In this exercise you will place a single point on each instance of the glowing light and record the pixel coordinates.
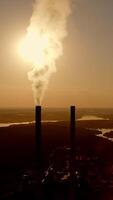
(35, 48)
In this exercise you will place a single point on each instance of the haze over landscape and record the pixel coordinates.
(58, 51)
(85, 71)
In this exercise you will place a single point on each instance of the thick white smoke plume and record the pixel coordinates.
(43, 42)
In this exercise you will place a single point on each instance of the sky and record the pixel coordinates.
(84, 74)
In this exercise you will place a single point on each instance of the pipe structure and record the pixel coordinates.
(72, 152)
(38, 135)
(72, 129)
(72, 148)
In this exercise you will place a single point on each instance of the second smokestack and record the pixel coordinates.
(72, 129)
(38, 135)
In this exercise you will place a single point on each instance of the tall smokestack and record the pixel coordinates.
(38, 135)
(72, 143)
(72, 129)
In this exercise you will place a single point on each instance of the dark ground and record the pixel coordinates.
(17, 154)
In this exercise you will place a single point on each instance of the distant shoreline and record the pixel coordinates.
(103, 128)
(82, 118)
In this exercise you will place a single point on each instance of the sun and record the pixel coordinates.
(34, 48)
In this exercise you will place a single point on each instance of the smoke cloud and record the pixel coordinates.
(43, 41)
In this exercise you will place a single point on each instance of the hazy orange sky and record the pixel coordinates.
(84, 73)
